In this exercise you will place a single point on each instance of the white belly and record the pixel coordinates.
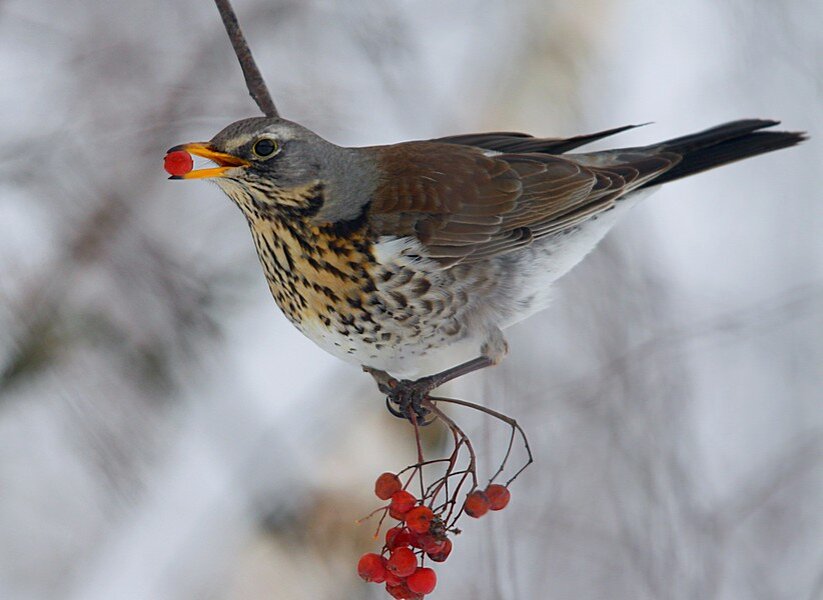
(548, 259)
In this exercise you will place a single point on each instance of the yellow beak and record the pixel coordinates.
(204, 150)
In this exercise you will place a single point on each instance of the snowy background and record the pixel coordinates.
(166, 434)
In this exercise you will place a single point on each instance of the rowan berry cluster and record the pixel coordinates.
(448, 488)
(421, 534)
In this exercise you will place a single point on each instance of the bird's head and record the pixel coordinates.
(266, 163)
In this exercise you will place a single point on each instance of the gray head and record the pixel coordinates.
(266, 163)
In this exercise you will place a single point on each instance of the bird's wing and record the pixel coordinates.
(464, 206)
(511, 142)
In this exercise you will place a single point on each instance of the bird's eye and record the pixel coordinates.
(264, 148)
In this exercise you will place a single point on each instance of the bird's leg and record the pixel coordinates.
(405, 396)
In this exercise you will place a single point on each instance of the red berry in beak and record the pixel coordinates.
(178, 163)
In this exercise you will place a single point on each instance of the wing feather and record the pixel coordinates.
(463, 205)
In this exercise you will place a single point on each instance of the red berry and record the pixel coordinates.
(401, 503)
(178, 163)
(422, 540)
(397, 537)
(441, 553)
(402, 592)
(432, 544)
(396, 515)
(477, 504)
(372, 567)
(392, 579)
(422, 581)
(386, 485)
(498, 495)
(402, 562)
(419, 519)
(425, 542)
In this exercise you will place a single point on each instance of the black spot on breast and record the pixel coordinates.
(289, 259)
(326, 291)
(404, 276)
(400, 299)
(421, 286)
(330, 268)
(340, 250)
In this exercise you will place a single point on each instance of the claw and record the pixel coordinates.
(404, 399)
(394, 411)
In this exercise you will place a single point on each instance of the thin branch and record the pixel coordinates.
(254, 80)
(515, 427)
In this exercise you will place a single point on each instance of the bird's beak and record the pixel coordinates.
(205, 150)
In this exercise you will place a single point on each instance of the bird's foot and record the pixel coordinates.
(405, 400)
(405, 397)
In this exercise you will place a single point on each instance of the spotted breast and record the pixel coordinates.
(374, 303)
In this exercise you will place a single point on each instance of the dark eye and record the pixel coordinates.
(264, 148)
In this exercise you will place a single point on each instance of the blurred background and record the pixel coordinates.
(166, 434)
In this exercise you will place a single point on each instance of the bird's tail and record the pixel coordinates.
(721, 145)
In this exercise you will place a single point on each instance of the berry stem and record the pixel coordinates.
(420, 459)
(515, 427)
(461, 439)
(362, 520)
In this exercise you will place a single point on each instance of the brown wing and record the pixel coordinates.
(465, 206)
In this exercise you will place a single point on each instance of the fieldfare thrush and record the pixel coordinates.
(404, 257)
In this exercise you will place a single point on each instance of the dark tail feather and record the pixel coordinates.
(722, 145)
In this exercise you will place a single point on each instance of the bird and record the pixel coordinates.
(406, 257)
